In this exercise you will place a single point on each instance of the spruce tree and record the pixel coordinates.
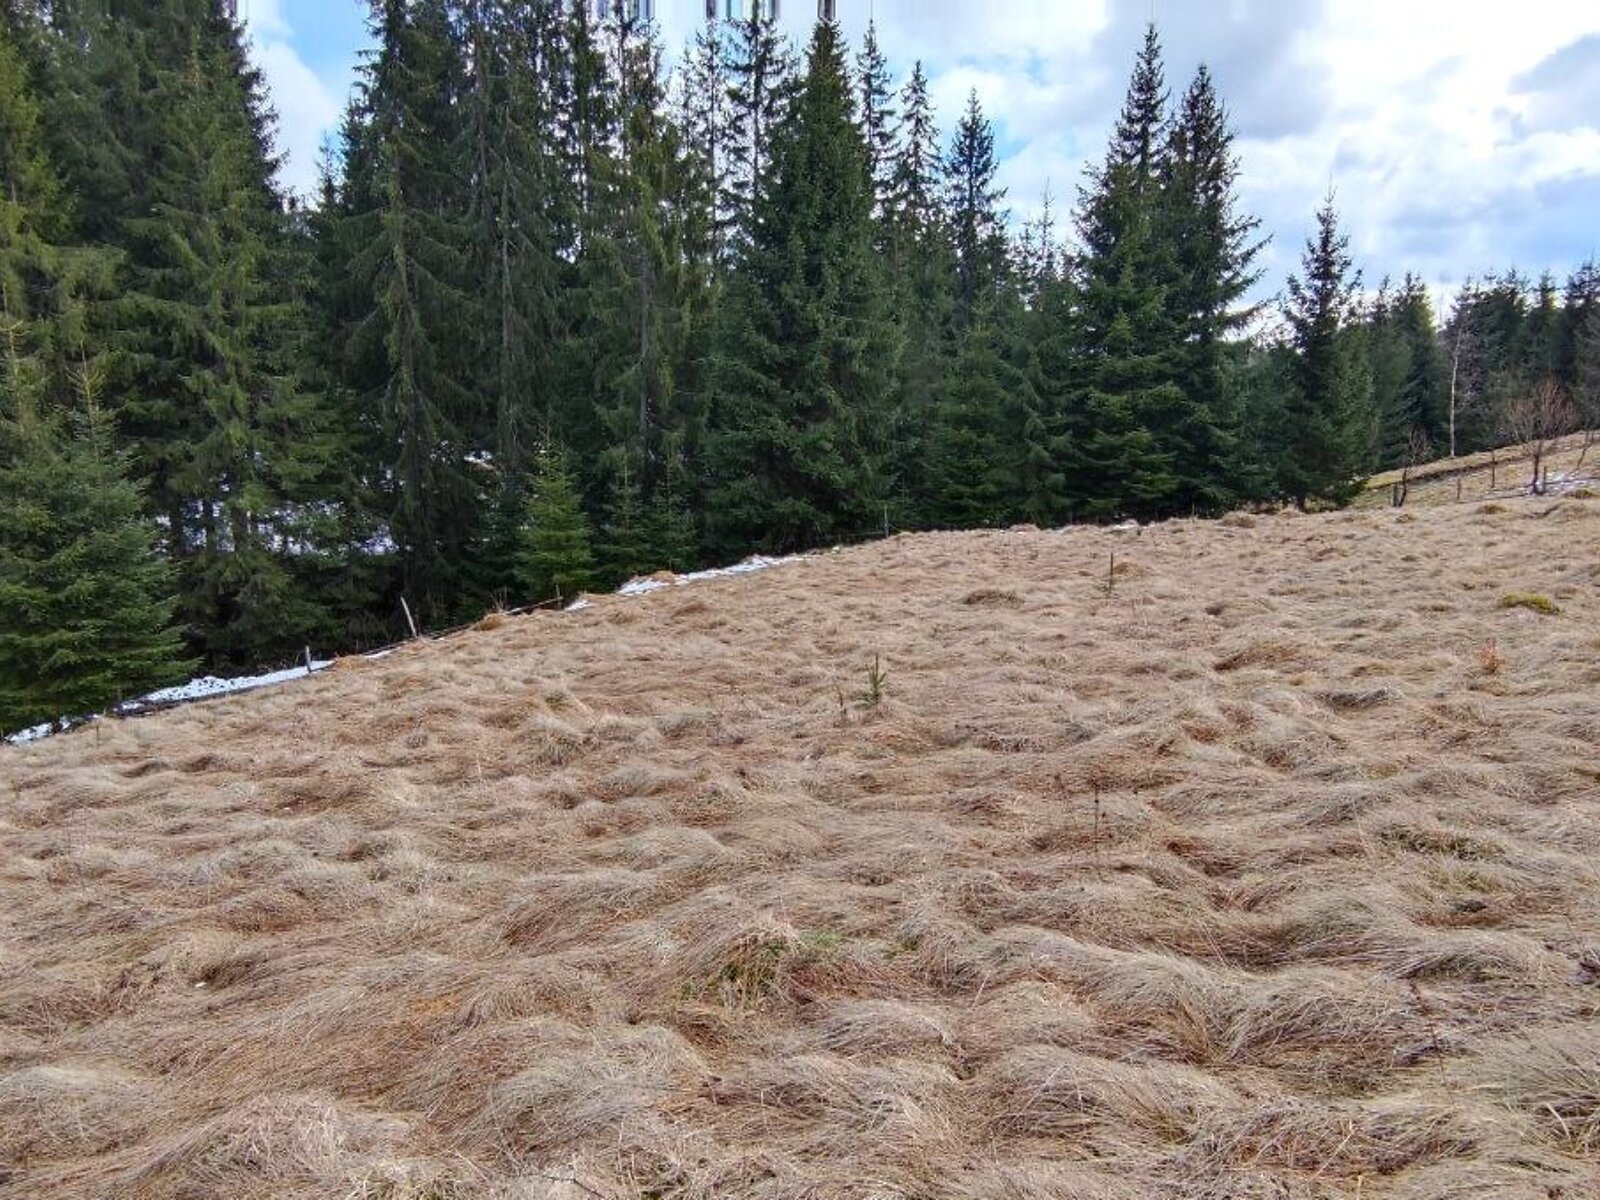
(760, 69)
(1213, 247)
(1542, 336)
(877, 117)
(806, 348)
(1580, 299)
(623, 548)
(921, 275)
(235, 441)
(1132, 405)
(703, 118)
(974, 466)
(85, 605)
(410, 321)
(1040, 256)
(44, 280)
(1411, 405)
(671, 532)
(202, 322)
(913, 199)
(1586, 370)
(554, 558)
(973, 215)
(516, 216)
(1324, 422)
(1056, 375)
(630, 302)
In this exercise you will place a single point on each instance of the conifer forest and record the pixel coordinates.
(571, 306)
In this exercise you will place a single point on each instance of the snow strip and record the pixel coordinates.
(211, 685)
(196, 689)
(756, 562)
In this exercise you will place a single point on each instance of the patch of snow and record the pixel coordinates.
(1560, 484)
(639, 586)
(211, 685)
(756, 562)
(196, 689)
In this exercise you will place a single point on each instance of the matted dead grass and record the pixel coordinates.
(1274, 872)
(1573, 464)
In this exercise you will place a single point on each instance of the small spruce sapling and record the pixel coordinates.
(877, 684)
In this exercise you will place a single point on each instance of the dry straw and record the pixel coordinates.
(1268, 872)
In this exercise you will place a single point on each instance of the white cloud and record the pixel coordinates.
(308, 106)
(1459, 138)
(265, 18)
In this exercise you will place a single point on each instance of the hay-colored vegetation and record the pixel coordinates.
(1501, 472)
(1273, 872)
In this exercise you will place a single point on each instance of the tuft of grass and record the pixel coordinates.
(1490, 660)
(989, 597)
(1491, 509)
(1530, 600)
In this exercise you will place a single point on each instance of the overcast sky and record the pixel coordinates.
(1459, 137)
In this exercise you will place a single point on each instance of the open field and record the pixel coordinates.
(1489, 475)
(1265, 864)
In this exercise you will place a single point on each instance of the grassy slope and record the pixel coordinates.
(1272, 872)
(1478, 477)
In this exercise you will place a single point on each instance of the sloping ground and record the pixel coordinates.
(1273, 871)
(1573, 463)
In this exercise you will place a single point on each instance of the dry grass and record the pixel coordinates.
(1272, 873)
(1502, 472)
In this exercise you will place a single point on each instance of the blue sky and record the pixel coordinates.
(1459, 138)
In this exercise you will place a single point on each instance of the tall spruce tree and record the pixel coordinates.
(1408, 372)
(921, 273)
(628, 301)
(805, 347)
(44, 281)
(703, 119)
(976, 445)
(1132, 404)
(760, 69)
(203, 327)
(1325, 422)
(411, 320)
(515, 213)
(85, 605)
(877, 116)
(1580, 298)
(973, 216)
(1586, 370)
(1214, 248)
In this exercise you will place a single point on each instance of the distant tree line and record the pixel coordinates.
(559, 316)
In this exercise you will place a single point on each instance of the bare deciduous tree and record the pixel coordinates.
(1418, 451)
(1535, 418)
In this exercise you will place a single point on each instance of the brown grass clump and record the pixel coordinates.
(1260, 873)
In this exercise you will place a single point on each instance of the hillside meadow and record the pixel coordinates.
(1250, 858)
